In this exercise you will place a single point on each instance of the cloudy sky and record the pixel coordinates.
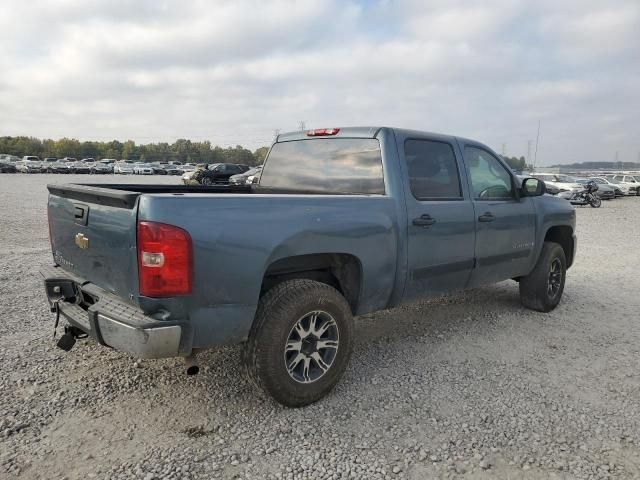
(233, 72)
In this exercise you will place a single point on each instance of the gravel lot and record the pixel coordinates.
(466, 386)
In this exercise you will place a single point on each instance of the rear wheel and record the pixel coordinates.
(542, 289)
(300, 343)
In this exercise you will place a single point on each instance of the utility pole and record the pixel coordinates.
(528, 152)
(302, 125)
(504, 149)
(535, 155)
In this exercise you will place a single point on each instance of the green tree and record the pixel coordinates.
(260, 154)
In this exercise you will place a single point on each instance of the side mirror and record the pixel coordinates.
(533, 187)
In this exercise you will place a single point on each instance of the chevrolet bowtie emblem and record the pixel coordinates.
(82, 241)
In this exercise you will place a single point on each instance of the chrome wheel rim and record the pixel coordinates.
(555, 278)
(311, 347)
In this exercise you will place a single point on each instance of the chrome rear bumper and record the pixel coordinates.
(113, 322)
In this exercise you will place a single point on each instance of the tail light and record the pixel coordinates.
(165, 260)
(321, 132)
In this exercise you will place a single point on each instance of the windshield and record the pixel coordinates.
(325, 165)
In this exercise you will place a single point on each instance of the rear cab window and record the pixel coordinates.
(325, 165)
(433, 170)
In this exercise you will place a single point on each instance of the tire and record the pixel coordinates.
(595, 202)
(283, 312)
(206, 181)
(536, 292)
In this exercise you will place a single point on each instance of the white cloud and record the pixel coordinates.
(234, 71)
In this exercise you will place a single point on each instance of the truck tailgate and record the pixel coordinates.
(93, 235)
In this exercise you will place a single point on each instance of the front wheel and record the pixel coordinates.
(595, 201)
(206, 181)
(542, 289)
(300, 342)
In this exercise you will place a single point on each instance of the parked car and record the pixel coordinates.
(605, 191)
(69, 159)
(57, 167)
(628, 181)
(172, 169)
(250, 176)
(7, 167)
(48, 164)
(158, 169)
(142, 169)
(561, 183)
(88, 160)
(80, 167)
(29, 165)
(620, 189)
(392, 216)
(100, 168)
(7, 158)
(604, 184)
(109, 163)
(188, 173)
(123, 167)
(218, 173)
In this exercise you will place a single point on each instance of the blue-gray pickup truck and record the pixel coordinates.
(344, 221)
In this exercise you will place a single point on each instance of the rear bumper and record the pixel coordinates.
(113, 322)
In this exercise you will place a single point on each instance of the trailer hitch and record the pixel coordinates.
(68, 339)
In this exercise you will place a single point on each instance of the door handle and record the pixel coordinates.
(424, 221)
(486, 217)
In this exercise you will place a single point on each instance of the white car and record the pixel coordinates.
(564, 183)
(142, 169)
(29, 164)
(123, 167)
(628, 181)
(624, 189)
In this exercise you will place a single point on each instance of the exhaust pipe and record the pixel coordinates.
(191, 364)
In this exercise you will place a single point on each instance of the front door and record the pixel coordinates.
(505, 223)
(441, 231)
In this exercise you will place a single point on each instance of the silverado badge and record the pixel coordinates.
(82, 241)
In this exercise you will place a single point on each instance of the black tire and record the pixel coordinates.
(535, 290)
(279, 312)
(595, 202)
(206, 181)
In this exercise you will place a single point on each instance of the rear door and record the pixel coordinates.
(94, 236)
(440, 216)
(505, 223)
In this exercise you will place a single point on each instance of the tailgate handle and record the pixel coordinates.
(80, 213)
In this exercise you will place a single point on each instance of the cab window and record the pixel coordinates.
(490, 180)
(433, 172)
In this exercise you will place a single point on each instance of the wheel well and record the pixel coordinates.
(563, 236)
(340, 270)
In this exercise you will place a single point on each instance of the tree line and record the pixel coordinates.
(182, 150)
(517, 164)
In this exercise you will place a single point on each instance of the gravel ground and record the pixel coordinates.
(470, 385)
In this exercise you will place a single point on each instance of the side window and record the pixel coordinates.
(433, 172)
(489, 178)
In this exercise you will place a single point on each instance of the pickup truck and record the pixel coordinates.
(343, 222)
